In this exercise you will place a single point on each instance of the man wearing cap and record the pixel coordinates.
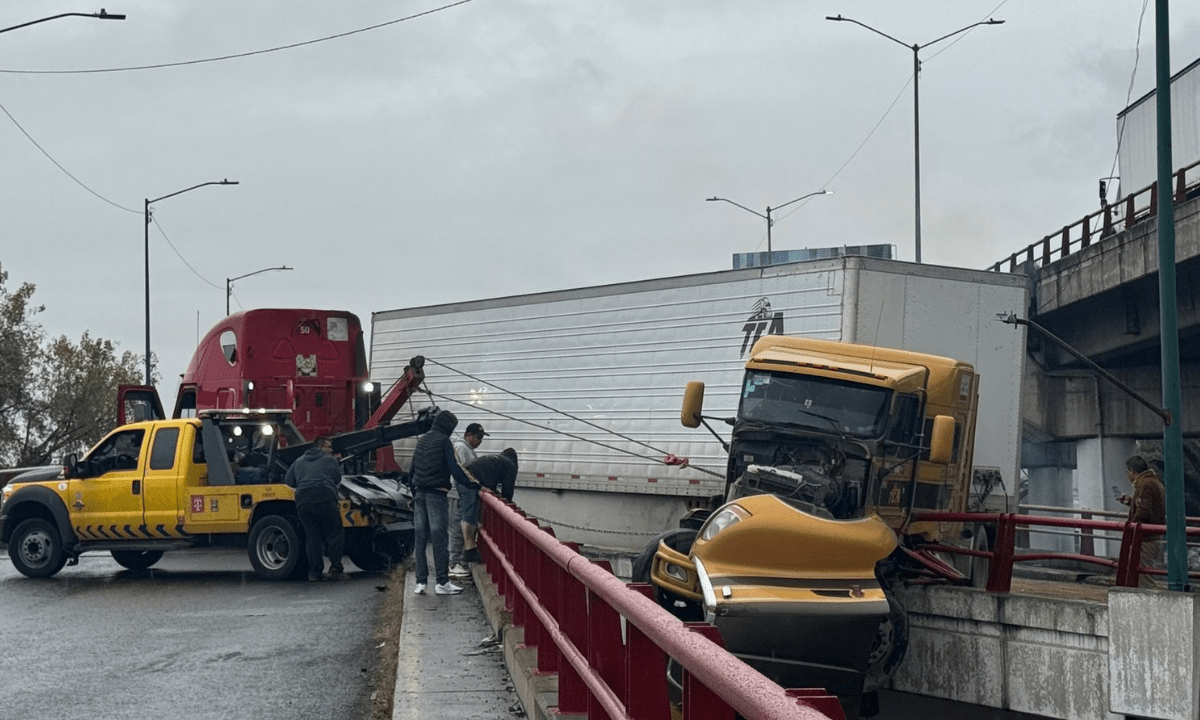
(464, 452)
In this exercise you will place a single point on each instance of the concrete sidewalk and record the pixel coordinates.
(447, 667)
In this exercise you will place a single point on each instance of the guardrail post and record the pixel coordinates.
(605, 650)
(1180, 186)
(699, 702)
(1153, 198)
(645, 670)
(1000, 568)
(546, 590)
(1086, 239)
(1130, 209)
(571, 612)
(1046, 247)
(1087, 541)
(820, 701)
(1107, 228)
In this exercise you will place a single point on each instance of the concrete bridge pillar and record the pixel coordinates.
(1100, 466)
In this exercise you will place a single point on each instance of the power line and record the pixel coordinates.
(181, 257)
(235, 56)
(58, 165)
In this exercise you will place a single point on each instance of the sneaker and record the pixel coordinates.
(338, 574)
(447, 588)
(420, 589)
(472, 556)
(459, 571)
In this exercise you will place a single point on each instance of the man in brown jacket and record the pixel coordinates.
(1148, 505)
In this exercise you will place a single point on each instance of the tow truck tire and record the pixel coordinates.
(137, 559)
(275, 548)
(36, 549)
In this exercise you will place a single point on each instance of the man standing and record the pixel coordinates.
(1148, 505)
(464, 452)
(433, 464)
(315, 476)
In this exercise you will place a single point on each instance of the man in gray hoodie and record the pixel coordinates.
(315, 476)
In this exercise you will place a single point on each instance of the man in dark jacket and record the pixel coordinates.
(315, 476)
(433, 463)
(497, 473)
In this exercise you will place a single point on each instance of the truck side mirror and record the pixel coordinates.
(69, 462)
(941, 441)
(693, 404)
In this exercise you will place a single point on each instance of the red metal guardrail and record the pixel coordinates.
(1109, 220)
(1003, 554)
(572, 610)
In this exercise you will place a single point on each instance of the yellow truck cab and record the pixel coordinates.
(216, 479)
(833, 447)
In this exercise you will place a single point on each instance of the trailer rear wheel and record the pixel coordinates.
(275, 548)
(36, 549)
(137, 559)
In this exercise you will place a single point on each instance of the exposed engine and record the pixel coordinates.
(816, 476)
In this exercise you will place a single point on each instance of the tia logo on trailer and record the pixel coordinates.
(761, 321)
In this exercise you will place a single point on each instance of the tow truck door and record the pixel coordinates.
(107, 505)
(137, 403)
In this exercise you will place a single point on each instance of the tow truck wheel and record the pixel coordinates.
(137, 559)
(36, 549)
(275, 548)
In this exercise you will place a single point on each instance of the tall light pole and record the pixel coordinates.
(102, 15)
(767, 216)
(229, 282)
(149, 380)
(916, 49)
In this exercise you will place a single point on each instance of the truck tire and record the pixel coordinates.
(380, 554)
(680, 539)
(889, 647)
(137, 559)
(36, 549)
(275, 548)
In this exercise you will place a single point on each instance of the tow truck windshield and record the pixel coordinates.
(816, 402)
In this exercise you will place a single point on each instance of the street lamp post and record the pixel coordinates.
(229, 282)
(149, 380)
(916, 49)
(767, 216)
(102, 15)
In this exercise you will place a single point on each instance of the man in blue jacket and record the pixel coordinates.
(433, 463)
(315, 476)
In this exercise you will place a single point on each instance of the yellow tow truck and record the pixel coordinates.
(216, 479)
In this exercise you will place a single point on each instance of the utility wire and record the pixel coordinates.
(58, 165)
(181, 257)
(235, 56)
(560, 412)
(1137, 55)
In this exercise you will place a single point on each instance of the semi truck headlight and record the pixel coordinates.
(722, 519)
(673, 570)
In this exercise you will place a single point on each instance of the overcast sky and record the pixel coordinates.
(509, 146)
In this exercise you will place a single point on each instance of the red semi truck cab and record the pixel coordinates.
(311, 362)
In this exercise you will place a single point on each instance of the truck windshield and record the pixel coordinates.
(817, 402)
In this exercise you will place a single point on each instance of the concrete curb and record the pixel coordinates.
(537, 690)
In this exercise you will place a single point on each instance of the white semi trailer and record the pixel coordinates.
(586, 384)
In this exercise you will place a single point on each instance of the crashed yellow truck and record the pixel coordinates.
(833, 447)
(212, 480)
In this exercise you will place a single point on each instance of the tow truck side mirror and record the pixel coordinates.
(941, 440)
(693, 404)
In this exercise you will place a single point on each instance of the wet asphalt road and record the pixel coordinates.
(197, 636)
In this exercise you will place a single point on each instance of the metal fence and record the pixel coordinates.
(609, 641)
(1108, 220)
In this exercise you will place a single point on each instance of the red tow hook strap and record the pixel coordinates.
(676, 460)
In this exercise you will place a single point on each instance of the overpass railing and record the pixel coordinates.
(609, 641)
(1108, 220)
(1003, 554)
